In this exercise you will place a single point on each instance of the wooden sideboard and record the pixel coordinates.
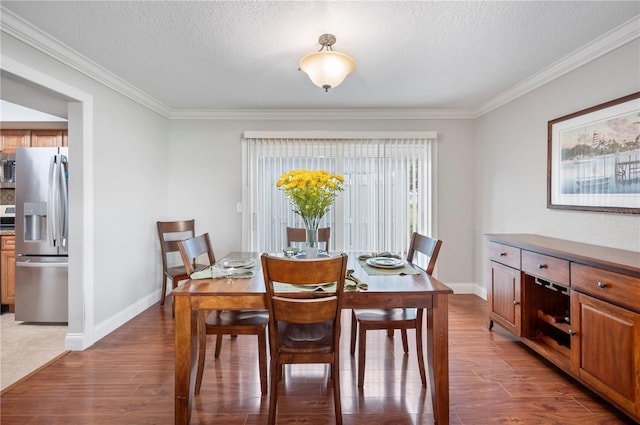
(575, 304)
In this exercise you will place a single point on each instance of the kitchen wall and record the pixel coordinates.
(511, 159)
(7, 196)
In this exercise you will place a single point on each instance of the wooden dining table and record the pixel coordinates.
(384, 291)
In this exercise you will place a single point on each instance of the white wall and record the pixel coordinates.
(207, 185)
(511, 152)
(127, 174)
(130, 193)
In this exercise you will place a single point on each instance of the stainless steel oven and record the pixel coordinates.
(7, 217)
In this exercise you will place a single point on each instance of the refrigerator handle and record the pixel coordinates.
(64, 200)
(52, 220)
(57, 215)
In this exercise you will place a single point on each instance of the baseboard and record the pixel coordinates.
(114, 322)
(74, 342)
(481, 291)
(468, 288)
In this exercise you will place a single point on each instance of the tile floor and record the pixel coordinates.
(26, 347)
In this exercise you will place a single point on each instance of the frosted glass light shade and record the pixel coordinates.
(327, 69)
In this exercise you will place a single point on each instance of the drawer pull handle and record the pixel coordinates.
(503, 254)
(542, 266)
(516, 302)
(572, 332)
(602, 285)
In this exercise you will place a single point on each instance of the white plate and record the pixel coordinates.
(385, 262)
(241, 274)
(303, 255)
(237, 263)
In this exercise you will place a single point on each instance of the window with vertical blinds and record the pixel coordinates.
(387, 189)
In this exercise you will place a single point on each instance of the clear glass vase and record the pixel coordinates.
(311, 244)
(312, 238)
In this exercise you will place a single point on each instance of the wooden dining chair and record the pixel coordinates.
(223, 322)
(296, 234)
(396, 318)
(304, 330)
(169, 233)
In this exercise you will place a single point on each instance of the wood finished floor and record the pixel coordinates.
(127, 378)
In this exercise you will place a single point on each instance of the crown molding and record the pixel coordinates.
(26, 32)
(608, 42)
(322, 114)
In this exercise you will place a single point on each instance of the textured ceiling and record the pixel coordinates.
(199, 55)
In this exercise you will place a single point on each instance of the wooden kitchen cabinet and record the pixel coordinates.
(579, 308)
(8, 270)
(47, 138)
(12, 139)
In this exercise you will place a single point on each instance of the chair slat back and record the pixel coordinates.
(427, 246)
(316, 310)
(303, 271)
(290, 307)
(192, 248)
(170, 232)
(296, 234)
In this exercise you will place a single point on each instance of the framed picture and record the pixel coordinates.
(593, 158)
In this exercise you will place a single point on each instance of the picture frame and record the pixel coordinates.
(593, 158)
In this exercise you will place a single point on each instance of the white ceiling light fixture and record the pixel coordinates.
(327, 68)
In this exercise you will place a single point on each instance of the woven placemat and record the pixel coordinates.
(330, 287)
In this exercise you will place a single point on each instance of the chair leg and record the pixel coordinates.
(336, 390)
(262, 360)
(405, 342)
(419, 350)
(164, 288)
(354, 329)
(276, 369)
(202, 349)
(362, 346)
(218, 345)
(390, 332)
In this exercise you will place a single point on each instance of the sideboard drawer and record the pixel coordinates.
(610, 286)
(505, 254)
(546, 267)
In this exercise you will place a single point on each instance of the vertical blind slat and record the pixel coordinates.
(385, 198)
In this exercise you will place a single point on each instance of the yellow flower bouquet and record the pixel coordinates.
(311, 192)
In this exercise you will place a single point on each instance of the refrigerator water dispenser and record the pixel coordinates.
(35, 221)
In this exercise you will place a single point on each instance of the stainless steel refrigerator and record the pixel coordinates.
(42, 223)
